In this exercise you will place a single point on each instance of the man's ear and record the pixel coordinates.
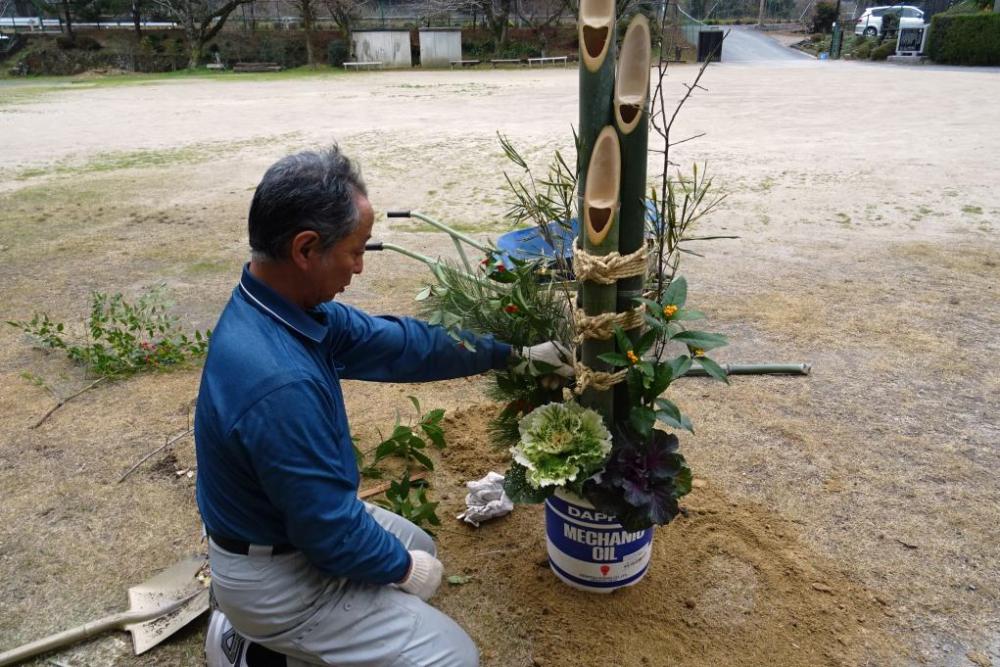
(303, 248)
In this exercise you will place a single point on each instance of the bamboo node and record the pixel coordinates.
(609, 269)
(602, 327)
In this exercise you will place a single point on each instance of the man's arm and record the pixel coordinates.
(307, 469)
(402, 349)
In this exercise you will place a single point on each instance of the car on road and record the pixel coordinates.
(870, 22)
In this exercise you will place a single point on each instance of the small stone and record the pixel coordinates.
(698, 483)
(823, 588)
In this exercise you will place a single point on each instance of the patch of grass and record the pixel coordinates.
(843, 219)
(12, 95)
(966, 261)
(116, 80)
(207, 267)
(144, 159)
(766, 185)
(829, 316)
(45, 211)
(972, 210)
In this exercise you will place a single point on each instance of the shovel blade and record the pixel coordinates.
(169, 601)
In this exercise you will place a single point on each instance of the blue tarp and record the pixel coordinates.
(529, 244)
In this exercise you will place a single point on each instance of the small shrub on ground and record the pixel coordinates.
(407, 442)
(337, 52)
(78, 42)
(883, 50)
(863, 50)
(971, 39)
(409, 500)
(121, 338)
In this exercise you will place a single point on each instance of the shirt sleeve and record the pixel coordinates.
(403, 349)
(306, 467)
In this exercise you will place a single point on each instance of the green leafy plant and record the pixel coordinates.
(409, 500)
(561, 444)
(121, 338)
(642, 480)
(824, 17)
(649, 374)
(512, 301)
(972, 39)
(407, 441)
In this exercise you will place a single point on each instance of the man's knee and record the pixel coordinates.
(466, 654)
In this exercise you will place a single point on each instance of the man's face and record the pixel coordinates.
(344, 259)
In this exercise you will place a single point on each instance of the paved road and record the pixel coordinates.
(746, 45)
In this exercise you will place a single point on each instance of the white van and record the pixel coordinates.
(870, 23)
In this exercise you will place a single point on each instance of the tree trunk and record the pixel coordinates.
(68, 13)
(136, 19)
(194, 56)
(307, 28)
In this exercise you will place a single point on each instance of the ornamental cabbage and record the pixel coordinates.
(560, 443)
(642, 480)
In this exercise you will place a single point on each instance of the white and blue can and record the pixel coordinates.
(590, 550)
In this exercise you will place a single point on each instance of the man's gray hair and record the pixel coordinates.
(311, 190)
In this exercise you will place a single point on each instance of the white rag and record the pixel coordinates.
(486, 499)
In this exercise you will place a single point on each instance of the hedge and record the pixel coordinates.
(971, 39)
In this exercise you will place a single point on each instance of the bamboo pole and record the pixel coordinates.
(599, 230)
(596, 33)
(631, 115)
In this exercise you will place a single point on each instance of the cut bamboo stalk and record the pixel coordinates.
(596, 33)
(631, 114)
(600, 237)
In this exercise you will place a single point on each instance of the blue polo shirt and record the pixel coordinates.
(275, 462)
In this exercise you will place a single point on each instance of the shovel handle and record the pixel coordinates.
(117, 621)
(64, 638)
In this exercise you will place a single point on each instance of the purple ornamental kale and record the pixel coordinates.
(641, 481)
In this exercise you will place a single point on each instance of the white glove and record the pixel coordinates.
(551, 353)
(424, 576)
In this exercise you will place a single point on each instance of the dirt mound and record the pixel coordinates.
(729, 584)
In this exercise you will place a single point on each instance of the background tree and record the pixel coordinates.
(541, 15)
(345, 14)
(201, 21)
(307, 10)
(824, 18)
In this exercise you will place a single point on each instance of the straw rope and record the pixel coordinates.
(610, 268)
(602, 327)
(599, 380)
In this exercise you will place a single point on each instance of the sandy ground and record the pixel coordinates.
(846, 518)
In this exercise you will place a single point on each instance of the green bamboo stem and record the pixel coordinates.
(630, 107)
(596, 32)
(755, 369)
(599, 229)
